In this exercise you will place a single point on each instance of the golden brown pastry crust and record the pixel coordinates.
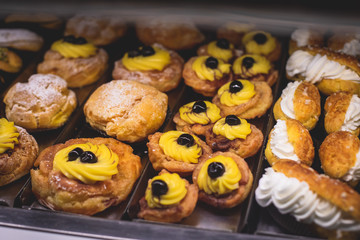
(306, 105)
(235, 197)
(337, 153)
(255, 107)
(270, 78)
(204, 87)
(45, 20)
(161, 161)
(337, 41)
(300, 139)
(17, 162)
(78, 72)
(9, 61)
(58, 192)
(316, 38)
(197, 129)
(243, 147)
(332, 190)
(172, 214)
(165, 80)
(235, 33)
(127, 110)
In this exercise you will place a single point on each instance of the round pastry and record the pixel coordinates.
(330, 71)
(176, 151)
(303, 37)
(99, 30)
(255, 68)
(310, 197)
(262, 43)
(127, 110)
(45, 20)
(300, 101)
(235, 135)
(205, 75)
(74, 59)
(9, 61)
(18, 152)
(224, 180)
(44, 102)
(289, 139)
(197, 117)
(152, 65)
(234, 31)
(21, 39)
(339, 154)
(168, 198)
(347, 43)
(342, 113)
(220, 49)
(85, 175)
(244, 99)
(172, 33)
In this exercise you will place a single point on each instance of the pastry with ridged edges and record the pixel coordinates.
(85, 175)
(302, 37)
(9, 61)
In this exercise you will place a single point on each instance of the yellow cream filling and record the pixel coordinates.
(157, 61)
(261, 66)
(8, 135)
(205, 73)
(176, 191)
(251, 46)
(233, 99)
(211, 115)
(224, 184)
(168, 143)
(232, 132)
(88, 173)
(220, 53)
(70, 50)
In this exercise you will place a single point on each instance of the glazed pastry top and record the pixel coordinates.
(236, 92)
(287, 99)
(8, 135)
(232, 127)
(249, 65)
(210, 68)
(352, 115)
(201, 112)
(72, 47)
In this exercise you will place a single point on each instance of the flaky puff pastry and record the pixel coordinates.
(306, 105)
(9, 61)
(127, 110)
(338, 116)
(174, 213)
(305, 37)
(44, 102)
(299, 138)
(17, 162)
(57, 192)
(236, 196)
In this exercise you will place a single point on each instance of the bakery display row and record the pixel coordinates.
(160, 120)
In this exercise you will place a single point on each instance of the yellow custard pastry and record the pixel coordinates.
(236, 92)
(205, 68)
(71, 47)
(232, 127)
(8, 135)
(9, 61)
(220, 49)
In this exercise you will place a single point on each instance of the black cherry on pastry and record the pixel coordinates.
(74, 154)
(260, 38)
(223, 43)
(235, 86)
(186, 140)
(215, 170)
(212, 62)
(158, 188)
(74, 40)
(88, 157)
(199, 107)
(232, 120)
(248, 62)
(134, 53)
(147, 51)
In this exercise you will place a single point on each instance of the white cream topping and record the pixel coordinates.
(291, 196)
(287, 99)
(316, 68)
(352, 115)
(279, 142)
(301, 36)
(353, 47)
(14, 35)
(354, 173)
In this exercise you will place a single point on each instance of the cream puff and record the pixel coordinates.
(342, 113)
(299, 101)
(168, 198)
(21, 39)
(42, 103)
(206, 74)
(77, 61)
(330, 71)
(347, 43)
(289, 139)
(152, 65)
(220, 49)
(244, 98)
(302, 37)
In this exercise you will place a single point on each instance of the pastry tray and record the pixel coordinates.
(19, 208)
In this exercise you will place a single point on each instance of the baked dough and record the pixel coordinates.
(234, 31)
(126, 110)
(21, 39)
(301, 37)
(44, 102)
(345, 42)
(55, 191)
(45, 20)
(9, 61)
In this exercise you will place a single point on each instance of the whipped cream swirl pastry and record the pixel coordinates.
(303, 37)
(347, 43)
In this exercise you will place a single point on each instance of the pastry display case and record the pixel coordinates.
(20, 209)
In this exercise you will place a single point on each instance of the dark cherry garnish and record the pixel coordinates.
(223, 43)
(215, 170)
(186, 140)
(74, 40)
(248, 62)
(133, 53)
(158, 188)
(211, 62)
(260, 38)
(88, 157)
(147, 51)
(232, 120)
(235, 86)
(199, 107)
(74, 154)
